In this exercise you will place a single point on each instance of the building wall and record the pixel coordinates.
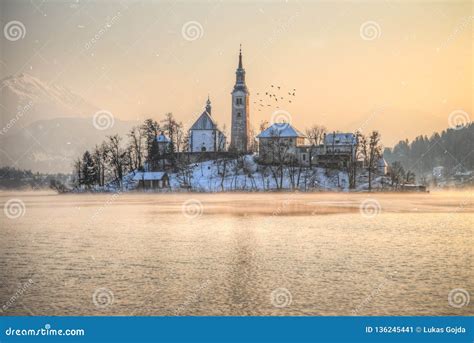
(202, 138)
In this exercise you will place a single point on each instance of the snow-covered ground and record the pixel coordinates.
(247, 175)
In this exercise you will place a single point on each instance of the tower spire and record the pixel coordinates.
(240, 57)
(208, 105)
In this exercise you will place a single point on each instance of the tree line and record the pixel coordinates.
(115, 157)
(451, 149)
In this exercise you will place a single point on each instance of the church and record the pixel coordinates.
(204, 135)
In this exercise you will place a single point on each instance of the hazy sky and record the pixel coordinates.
(134, 59)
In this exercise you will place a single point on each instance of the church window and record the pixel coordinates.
(239, 115)
(238, 101)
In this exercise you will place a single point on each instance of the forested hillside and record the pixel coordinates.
(453, 149)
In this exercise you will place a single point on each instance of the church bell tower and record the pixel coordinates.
(239, 140)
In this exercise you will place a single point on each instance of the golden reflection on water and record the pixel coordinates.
(229, 254)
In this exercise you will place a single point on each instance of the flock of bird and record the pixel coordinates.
(275, 97)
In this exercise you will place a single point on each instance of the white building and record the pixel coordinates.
(204, 134)
(339, 143)
(280, 142)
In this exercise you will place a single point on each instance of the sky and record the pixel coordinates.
(402, 67)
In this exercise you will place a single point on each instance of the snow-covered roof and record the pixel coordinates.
(340, 139)
(280, 130)
(148, 176)
(204, 122)
(162, 138)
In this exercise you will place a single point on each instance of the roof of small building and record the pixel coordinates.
(281, 130)
(148, 176)
(161, 138)
(340, 138)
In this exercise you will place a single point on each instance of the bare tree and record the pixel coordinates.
(252, 140)
(136, 137)
(99, 156)
(356, 154)
(175, 132)
(315, 134)
(116, 157)
(276, 152)
(374, 154)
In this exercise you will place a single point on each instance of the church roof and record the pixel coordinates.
(204, 122)
(280, 130)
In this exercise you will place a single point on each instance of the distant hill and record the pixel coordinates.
(452, 149)
(50, 146)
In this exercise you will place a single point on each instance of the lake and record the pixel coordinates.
(237, 254)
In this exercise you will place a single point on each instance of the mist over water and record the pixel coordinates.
(236, 254)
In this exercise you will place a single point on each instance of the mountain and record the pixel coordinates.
(45, 126)
(26, 99)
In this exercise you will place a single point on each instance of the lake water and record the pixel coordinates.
(237, 254)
